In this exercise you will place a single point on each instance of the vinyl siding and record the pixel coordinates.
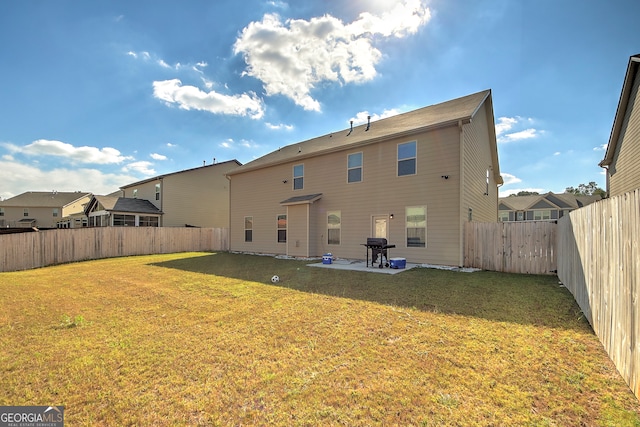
(625, 168)
(199, 198)
(43, 216)
(258, 193)
(74, 207)
(297, 230)
(196, 197)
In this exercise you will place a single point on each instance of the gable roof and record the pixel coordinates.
(155, 178)
(43, 199)
(538, 201)
(432, 117)
(122, 204)
(623, 103)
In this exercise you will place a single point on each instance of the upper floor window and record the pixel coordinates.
(354, 167)
(1, 211)
(407, 155)
(55, 212)
(282, 228)
(298, 177)
(135, 193)
(25, 212)
(157, 191)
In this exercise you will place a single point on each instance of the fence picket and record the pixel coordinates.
(23, 251)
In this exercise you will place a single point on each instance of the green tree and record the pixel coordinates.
(589, 189)
(525, 193)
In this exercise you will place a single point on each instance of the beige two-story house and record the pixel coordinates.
(622, 158)
(197, 197)
(41, 209)
(414, 179)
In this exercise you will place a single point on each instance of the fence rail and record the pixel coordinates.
(512, 247)
(599, 262)
(24, 251)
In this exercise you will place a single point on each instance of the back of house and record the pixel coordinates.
(413, 179)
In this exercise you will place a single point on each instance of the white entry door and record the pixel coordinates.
(379, 226)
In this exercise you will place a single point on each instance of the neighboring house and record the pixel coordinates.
(541, 207)
(196, 197)
(414, 179)
(41, 209)
(622, 159)
(113, 211)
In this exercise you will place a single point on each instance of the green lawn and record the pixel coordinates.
(207, 339)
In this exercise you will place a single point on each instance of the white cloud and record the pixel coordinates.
(278, 127)
(505, 125)
(84, 154)
(142, 167)
(171, 145)
(602, 147)
(510, 179)
(156, 156)
(192, 98)
(20, 177)
(229, 143)
(291, 58)
(361, 117)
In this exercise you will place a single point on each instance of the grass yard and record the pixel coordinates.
(207, 339)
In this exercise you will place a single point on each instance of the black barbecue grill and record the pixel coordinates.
(379, 248)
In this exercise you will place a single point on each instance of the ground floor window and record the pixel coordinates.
(503, 216)
(248, 229)
(333, 227)
(282, 228)
(121, 220)
(148, 221)
(416, 226)
(541, 214)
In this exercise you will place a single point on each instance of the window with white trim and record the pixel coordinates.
(539, 215)
(282, 228)
(407, 157)
(56, 211)
(298, 177)
(157, 191)
(248, 229)
(354, 167)
(334, 221)
(25, 212)
(416, 226)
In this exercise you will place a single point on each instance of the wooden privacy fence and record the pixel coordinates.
(32, 250)
(514, 247)
(599, 262)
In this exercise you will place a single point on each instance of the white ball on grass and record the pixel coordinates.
(275, 279)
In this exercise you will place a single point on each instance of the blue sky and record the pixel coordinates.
(99, 94)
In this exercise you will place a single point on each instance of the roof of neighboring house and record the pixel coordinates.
(623, 103)
(122, 204)
(558, 200)
(155, 178)
(410, 123)
(43, 199)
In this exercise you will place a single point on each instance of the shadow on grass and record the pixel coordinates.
(516, 298)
